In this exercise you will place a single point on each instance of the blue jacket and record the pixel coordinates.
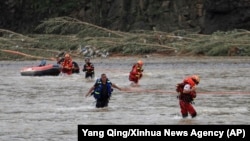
(98, 91)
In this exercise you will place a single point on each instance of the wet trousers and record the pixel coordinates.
(67, 71)
(133, 78)
(89, 74)
(100, 103)
(187, 108)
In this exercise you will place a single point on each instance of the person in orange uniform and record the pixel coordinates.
(187, 93)
(67, 65)
(136, 73)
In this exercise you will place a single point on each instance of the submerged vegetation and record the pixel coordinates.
(65, 34)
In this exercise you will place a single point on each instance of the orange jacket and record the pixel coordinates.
(67, 64)
(88, 67)
(180, 86)
(136, 71)
(189, 81)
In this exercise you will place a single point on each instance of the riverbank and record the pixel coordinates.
(101, 42)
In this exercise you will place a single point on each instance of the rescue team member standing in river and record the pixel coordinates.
(136, 73)
(67, 65)
(88, 68)
(75, 66)
(187, 93)
(102, 91)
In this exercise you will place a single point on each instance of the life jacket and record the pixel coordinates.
(186, 97)
(67, 64)
(89, 67)
(98, 89)
(189, 81)
(136, 71)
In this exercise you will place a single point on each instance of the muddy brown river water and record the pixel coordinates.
(51, 107)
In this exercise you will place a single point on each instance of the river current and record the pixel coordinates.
(51, 107)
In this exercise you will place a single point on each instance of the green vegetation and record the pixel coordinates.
(67, 34)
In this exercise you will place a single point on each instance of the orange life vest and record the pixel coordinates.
(179, 88)
(67, 64)
(136, 71)
(189, 81)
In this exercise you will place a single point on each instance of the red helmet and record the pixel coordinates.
(140, 62)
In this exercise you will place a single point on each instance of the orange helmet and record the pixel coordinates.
(140, 62)
(196, 78)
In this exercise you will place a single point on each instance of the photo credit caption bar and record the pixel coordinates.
(218, 132)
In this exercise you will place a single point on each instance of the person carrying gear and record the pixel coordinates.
(67, 65)
(88, 68)
(187, 93)
(102, 91)
(136, 73)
